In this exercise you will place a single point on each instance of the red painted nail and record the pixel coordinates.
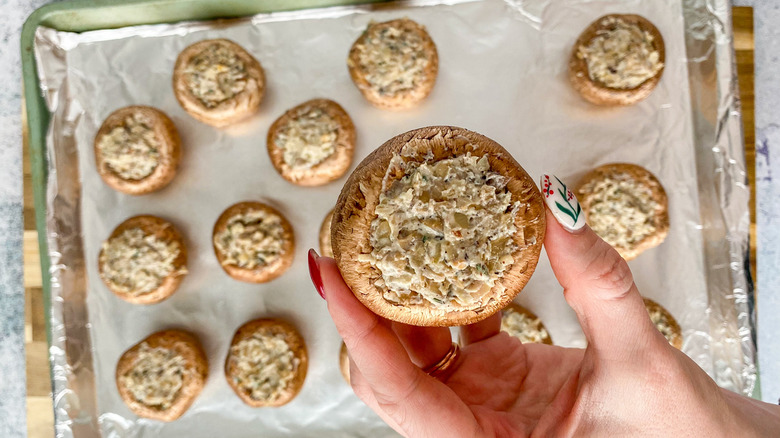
(314, 272)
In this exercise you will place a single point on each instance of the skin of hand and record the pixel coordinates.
(628, 382)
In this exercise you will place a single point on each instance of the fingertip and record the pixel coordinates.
(563, 206)
(479, 331)
(314, 272)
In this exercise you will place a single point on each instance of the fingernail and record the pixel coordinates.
(562, 203)
(314, 272)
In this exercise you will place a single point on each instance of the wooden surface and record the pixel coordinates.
(743, 47)
(39, 405)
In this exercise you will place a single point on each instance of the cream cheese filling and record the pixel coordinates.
(662, 323)
(308, 139)
(265, 365)
(136, 263)
(523, 327)
(443, 233)
(621, 56)
(394, 59)
(156, 377)
(215, 75)
(131, 150)
(621, 210)
(252, 239)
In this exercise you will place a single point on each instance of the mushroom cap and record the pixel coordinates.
(165, 231)
(169, 150)
(229, 111)
(409, 98)
(355, 210)
(643, 176)
(258, 274)
(188, 347)
(676, 338)
(271, 326)
(332, 167)
(598, 93)
(522, 310)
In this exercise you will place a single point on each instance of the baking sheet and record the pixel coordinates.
(502, 73)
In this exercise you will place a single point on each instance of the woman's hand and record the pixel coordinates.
(628, 382)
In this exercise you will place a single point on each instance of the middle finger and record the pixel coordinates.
(482, 330)
(424, 345)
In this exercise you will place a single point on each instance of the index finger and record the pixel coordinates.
(408, 395)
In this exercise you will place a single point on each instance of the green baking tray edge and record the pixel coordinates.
(86, 15)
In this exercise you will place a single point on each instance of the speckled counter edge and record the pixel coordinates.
(13, 414)
(12, 372)
(766, 15)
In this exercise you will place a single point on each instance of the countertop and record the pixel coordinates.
(12, 293)
(767, 111)
(12, 363)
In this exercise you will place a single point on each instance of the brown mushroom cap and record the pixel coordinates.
(330, 169)
(344, 361)
(354, 212)
(270, 326)
(325, 246)
(231, 110)
(258, 274)
(196, 363)
(165, 231)
(599, 93)
(169, 150)
(409, 98)
(522, 310)
(644, 177)
(676, 336)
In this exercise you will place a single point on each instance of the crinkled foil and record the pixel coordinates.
(723, 190)
(502, 73)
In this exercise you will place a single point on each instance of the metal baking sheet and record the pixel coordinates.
(502, 73)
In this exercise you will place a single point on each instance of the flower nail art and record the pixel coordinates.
(562, 203)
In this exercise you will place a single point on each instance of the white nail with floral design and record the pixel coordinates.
(562, 203)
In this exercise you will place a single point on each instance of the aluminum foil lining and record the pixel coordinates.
(502, 73)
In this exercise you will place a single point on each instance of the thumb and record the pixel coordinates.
(597, 282)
